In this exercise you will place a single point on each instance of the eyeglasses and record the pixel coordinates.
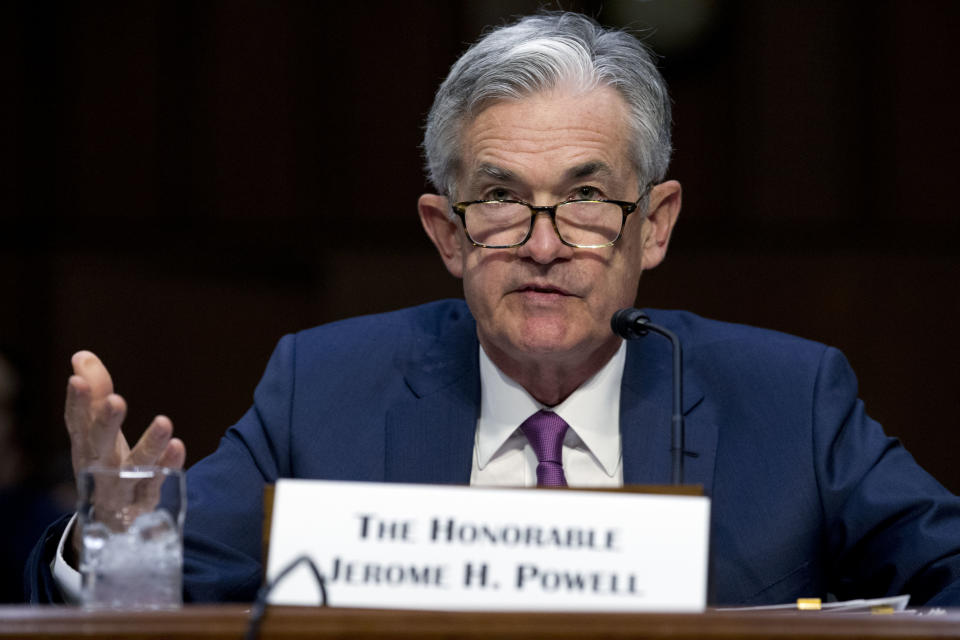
(584, 224)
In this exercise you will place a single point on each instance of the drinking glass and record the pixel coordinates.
(131, 521)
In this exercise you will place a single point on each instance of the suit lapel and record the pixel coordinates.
(430, 434)
(645, 413)
(645, 409)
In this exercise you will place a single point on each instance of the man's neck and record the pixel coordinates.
(550, 379)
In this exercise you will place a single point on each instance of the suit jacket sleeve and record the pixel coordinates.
(223, 532)
(40, 587)
(890, 527)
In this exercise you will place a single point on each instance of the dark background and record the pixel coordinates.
(185, 182)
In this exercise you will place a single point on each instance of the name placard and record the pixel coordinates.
(469, 548)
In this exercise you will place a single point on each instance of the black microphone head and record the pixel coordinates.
(629, 323)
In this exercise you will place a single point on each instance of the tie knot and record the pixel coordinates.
(545, 431)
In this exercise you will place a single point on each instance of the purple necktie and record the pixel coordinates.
(545, 431)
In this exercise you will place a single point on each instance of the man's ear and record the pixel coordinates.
(662, 214)
(443, 231)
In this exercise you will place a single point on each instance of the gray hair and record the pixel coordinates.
(538, 53)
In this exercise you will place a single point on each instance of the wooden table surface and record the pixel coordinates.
(230, 621)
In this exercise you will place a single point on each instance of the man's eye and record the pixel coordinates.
(587, 192)
(497, 194)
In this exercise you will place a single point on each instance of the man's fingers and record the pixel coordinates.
(76, 413)
(174, 455)
(94, 414)
(89, 367)
(95, 436)
(153, 443)
(106, 444)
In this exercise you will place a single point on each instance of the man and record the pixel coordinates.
(548, 144)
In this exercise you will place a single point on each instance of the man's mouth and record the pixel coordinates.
(542, 289)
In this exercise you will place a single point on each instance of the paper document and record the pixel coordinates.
(892, 604)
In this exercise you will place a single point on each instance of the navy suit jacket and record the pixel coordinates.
(809, 496)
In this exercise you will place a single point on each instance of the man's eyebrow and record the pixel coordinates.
(500, 174)
(588, 169)
(577, 172)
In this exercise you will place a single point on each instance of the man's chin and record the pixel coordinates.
(545, 336)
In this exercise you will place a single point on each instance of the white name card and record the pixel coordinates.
(400, 546)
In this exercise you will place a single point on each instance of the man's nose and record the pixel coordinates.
(544, 245)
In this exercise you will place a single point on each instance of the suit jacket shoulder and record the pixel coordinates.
(809, 495)
(387, 397)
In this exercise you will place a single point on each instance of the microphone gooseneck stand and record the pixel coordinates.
(631, 324)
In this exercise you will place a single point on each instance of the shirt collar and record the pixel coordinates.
(592, 411)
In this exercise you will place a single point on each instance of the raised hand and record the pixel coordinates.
(94, 415)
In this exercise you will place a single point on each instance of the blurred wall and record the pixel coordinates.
(185, 182)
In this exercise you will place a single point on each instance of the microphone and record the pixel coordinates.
(630, 324)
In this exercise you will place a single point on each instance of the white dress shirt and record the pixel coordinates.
(66, 577)
(592, 455)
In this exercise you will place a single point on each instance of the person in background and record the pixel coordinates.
(28, 502)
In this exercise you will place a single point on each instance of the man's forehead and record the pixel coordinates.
(581, 133)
